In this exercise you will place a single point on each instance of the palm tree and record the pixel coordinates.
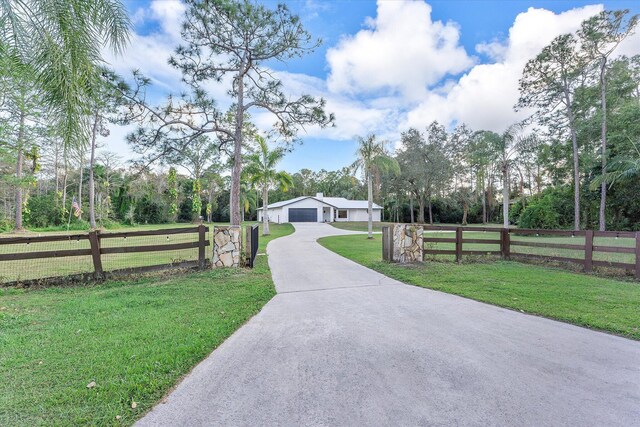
(372, 159)
(262, 173)
(248, 199)
(62, 41)
(511, 142)
(622, 168)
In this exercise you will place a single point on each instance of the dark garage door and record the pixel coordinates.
(303, 215)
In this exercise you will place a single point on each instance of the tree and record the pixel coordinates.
(511, 143)
(548, 83)
(262, 173)
(172, 190)
(481, 154)
(235, 39)
(600, 36)
(61, 41)
(20, 127)
(372, 157)
(103, 104)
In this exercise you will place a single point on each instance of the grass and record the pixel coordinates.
(134, 339)
(599, 303)
(51, 267)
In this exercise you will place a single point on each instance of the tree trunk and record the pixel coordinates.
(465, 213)
(576, 163)
(92, 161)
(370, 210)
(490, 198)
(411, 209)
(237, 154)
(421, 210)
(80, 185)
(505, 195)
(484, 201)
(603, 136)
(430, 211)
(210, 214)
(19, 163)
(265, 211)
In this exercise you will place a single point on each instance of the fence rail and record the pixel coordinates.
(100, 246)
(508, 246)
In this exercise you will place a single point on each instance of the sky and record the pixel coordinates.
(383, 66)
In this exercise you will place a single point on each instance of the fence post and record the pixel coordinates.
(247, 244)
(588, 251)
(387, 242)
(202, 237)
(94, 241)
(458, 244)
(638, 255)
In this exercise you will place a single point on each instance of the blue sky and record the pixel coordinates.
(385, 66)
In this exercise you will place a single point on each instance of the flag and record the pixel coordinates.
(76, 207)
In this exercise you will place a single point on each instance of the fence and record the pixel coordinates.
(98, 255)
(585, 248)
(252, 244)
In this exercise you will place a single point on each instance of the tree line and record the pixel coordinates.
(574, 163)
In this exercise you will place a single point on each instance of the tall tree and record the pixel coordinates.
(62, 42)
(511, 142)
(548, 84)
(102, 106)
(600, 36)
(20, 116)
(372, 157)
(235, 39)
(261, 170)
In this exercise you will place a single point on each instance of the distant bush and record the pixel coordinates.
(553, 208)
(42, 212)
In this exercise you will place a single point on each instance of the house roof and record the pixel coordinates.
(336, 202)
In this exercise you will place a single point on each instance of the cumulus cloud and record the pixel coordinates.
(484, 97)
(400, 50)
(401, 69)
(150, 52)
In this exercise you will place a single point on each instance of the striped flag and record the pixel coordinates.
(76, 207)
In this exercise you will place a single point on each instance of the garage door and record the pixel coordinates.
(303, 215)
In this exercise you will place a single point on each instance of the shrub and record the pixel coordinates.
(553, 208)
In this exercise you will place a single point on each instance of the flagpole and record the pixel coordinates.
(69, 222)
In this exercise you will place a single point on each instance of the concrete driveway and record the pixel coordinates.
(343, 345)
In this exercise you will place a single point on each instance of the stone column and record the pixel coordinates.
(407, 243)
(227, 245)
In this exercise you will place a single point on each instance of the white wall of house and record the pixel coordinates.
(275, 215)
(363, 215)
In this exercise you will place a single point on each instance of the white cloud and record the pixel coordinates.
(401, 49)
(484, 97)
(150, 53)
(402, 69)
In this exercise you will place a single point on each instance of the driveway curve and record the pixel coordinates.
(343, 345)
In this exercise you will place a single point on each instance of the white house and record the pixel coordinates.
(320, 209)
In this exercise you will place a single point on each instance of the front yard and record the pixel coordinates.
(599, 303)
(105, 354)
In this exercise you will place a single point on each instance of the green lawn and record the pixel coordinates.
(599, 303)
(134, 339)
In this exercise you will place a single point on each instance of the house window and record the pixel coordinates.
(342, 214)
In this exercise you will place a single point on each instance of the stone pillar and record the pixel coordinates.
(227, 245)
(407, 243)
